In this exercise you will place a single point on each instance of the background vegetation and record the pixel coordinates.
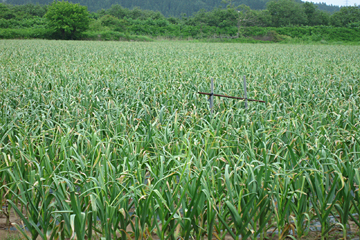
(278, 22)
(169, 7)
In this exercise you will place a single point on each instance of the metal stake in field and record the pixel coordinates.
(212, 94)
(211, 98)
(245, 93)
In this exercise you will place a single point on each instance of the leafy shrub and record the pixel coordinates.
(28, 33)
(68, 20)
(109, 20)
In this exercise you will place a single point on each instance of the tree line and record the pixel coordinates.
(169, 7)
(232, 21)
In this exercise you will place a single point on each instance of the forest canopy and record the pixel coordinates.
(168, 8)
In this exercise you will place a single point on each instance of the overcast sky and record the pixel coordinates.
(337, 2)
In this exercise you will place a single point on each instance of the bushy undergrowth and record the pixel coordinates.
(114, 36)
(111, 28)
(25, 33)
(42, 33)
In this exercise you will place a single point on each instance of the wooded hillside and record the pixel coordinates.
(168, 7)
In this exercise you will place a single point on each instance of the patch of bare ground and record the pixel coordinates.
(8, 232)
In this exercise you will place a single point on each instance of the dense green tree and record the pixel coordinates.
(30, 9)
(286, 13)
(346, 16)
(314, 16)
(264, 18)
(243, 16)
(68, 20)
(116, 11)
(109, 20)
(310, 10)
(6, 12)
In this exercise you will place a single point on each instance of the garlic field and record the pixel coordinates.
(111, 140)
